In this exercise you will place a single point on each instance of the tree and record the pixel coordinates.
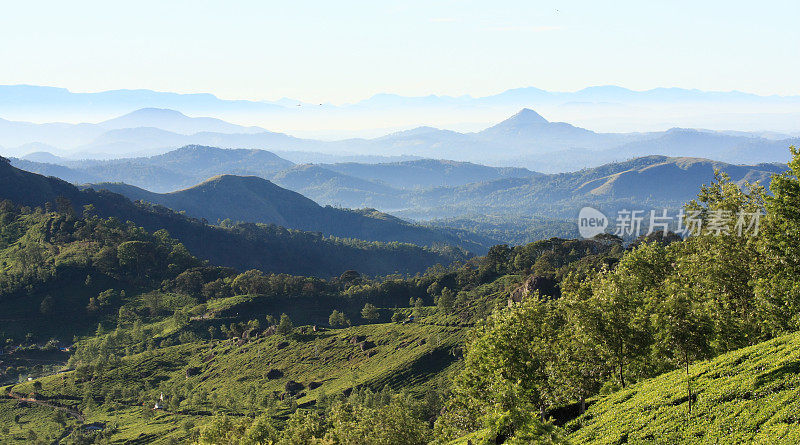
(222, 429)
(614, 315)
(684, 328)
(47, 305)
(433, 290)
(105, 298)
(350, 278)
(180, 318)
(446, 300)
(370, 312)
(393, 423)
(578, 370)
(507, 366)
(189, 282)
(261, 431)
(251, 282)
(724, 263)
(303, 427)
(418, 307)
(92, 307)
(64, 206)
(338, 319)
(138, 256)
(285, 326)
(779, 243)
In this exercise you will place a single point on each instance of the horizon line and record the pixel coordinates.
(392, 94)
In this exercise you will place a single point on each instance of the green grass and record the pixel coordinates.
(409, 357)
(36, 418)
(750, 395)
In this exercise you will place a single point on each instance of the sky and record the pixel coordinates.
(345, 51)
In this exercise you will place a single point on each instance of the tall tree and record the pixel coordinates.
(506, 367)
(337, 318)
(285, 326)
(370, 312)
(684, 327)
(778, 284)
(614, 314)
(721, 263)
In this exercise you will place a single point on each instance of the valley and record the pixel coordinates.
(174, 279)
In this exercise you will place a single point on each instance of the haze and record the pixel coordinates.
(342, 52)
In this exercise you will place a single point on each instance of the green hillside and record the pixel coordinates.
(636, 183)
(746, 396)
(204, 379)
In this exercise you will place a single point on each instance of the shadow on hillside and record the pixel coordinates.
(765, 378)
(563, 414)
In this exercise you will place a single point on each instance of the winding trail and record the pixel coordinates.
(72, 412)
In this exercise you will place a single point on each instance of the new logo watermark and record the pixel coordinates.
(632, 223)
(591, 222)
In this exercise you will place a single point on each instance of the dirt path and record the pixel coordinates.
(72, 412)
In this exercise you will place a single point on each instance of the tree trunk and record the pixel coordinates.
(583, 404)
(688, 383)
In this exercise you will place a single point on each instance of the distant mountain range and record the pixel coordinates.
(611, 108)
(175, 122)
(421, 189)
(526, 139)
(192, 164)
(146, 131)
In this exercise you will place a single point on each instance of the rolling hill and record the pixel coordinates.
(252, 199)
(528, 133)
(333, 188)
(426, 173)
(174, 170)
(411, 189)
(244, 246)
(683, 142)
(641, 183)
(610, 107)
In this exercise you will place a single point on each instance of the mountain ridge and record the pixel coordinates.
(257, 200)
(242, 246)
(525, 139)
(174, 121)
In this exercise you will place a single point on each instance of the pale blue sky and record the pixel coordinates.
(343, 51)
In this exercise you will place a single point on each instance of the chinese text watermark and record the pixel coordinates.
(634, 223)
